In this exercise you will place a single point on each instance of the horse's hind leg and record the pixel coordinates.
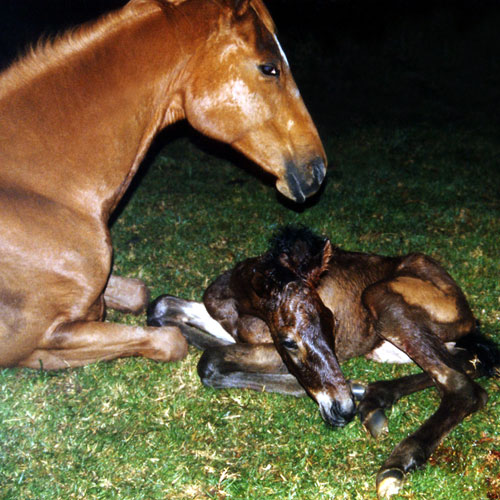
(409, 329)
(126, 294)
(82, 343)
(249, 366)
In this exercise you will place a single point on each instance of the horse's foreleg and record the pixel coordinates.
(82, 343)
(249, 366)
(126, 294)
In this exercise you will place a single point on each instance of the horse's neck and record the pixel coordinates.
(77, 124)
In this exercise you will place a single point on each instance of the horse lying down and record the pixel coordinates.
(286, 320)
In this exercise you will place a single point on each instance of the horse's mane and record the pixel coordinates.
(295, 252)
(49, 52)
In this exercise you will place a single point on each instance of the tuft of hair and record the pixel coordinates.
(295, 251)
(483, 350)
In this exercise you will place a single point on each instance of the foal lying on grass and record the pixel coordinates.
(285, 320)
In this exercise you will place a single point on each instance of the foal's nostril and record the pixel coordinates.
(338, 415)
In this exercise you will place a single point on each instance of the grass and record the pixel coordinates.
(407, 175)
(134, 429)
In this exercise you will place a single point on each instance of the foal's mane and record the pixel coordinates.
(296, 252)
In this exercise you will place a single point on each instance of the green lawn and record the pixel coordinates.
(410, 124)
(136, 429)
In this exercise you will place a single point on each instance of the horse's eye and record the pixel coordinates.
(289, 344)
(269, 70)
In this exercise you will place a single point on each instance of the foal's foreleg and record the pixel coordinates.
(383, 394)
(460, 395)
(249, 366)
(82, 343)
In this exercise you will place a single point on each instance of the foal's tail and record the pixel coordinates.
(484, 353)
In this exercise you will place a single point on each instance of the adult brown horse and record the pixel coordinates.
(296, 312)
(76, 118)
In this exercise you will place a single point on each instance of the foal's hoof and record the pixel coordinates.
(358, 390)
(389, 482)
(376, 423)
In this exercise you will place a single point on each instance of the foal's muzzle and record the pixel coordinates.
(300, 182)
(338, 414)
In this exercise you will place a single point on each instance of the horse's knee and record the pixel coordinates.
(166, 344)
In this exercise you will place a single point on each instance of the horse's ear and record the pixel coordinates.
(241, 6)
(316, 273)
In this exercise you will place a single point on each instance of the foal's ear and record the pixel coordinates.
(316, 273)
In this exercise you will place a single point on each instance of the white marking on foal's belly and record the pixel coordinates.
(197, 315)
(389, 353)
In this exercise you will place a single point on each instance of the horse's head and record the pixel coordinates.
(302, 327)
(241, 92)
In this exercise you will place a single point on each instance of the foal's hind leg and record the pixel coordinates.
(168, 310)
(409, 330)
(248, 366)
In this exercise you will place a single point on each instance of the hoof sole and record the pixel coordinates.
(376, 423)
(389, 482)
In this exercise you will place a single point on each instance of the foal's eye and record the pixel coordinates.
(269, 70)
(289, 344)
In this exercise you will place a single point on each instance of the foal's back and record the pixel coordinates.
(416, 280)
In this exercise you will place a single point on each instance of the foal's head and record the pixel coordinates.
(302, 327)
(242, 93)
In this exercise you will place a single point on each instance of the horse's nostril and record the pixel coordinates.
(318, 169)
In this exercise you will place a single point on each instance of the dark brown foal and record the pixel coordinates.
(287, 319)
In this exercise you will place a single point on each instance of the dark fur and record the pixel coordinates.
(305, 306)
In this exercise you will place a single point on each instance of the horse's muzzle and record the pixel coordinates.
(300, 182)
(336, 414)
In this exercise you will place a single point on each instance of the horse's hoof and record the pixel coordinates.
(376, 423)
(358, 390)
(389, 482)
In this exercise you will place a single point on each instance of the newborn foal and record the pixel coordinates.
(284, 321)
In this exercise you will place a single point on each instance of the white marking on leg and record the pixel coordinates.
(197, 315)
